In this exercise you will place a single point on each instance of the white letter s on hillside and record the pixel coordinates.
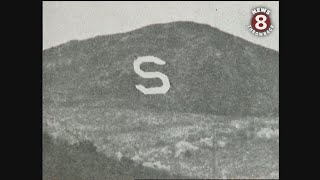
(165, 80)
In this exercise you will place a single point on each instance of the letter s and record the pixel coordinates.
(165, 80)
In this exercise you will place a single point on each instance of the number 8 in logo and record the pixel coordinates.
(260, 22)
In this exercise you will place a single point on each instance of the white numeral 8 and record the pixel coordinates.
(263, 22)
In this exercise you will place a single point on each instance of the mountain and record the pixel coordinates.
(210, 71)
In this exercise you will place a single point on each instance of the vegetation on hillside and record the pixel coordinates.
(81, 161)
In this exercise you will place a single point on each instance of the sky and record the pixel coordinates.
(69, 20)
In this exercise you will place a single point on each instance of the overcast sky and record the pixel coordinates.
(65, 21)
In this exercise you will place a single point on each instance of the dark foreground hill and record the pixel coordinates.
(81, 161)
(210, 71)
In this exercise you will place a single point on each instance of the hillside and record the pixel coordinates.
(184, 144)
(82, 161)
(210, 71)
(219, 119)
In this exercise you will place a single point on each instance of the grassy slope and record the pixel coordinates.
(226, 146)
(82, 162)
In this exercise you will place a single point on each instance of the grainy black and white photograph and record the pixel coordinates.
(160, 90)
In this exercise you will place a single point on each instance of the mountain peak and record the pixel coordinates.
(210, 71)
